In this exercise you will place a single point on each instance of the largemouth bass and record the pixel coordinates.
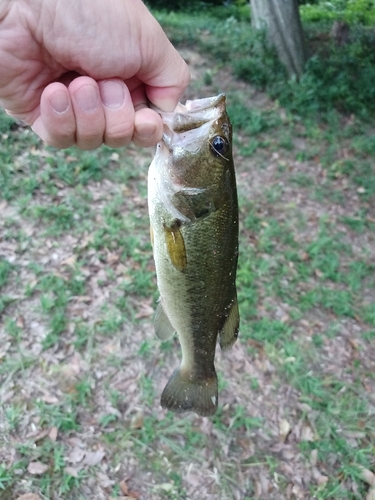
(193, 210)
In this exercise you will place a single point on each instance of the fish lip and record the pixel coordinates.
(205, 103)
(189, 124)
(167, 138)
(192, 105)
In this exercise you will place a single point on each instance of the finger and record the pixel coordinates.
(166, 97)
(118, 112)
(88, 112)
(56, 121)
(148, 128)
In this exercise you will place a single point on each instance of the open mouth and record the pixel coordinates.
(189, 125)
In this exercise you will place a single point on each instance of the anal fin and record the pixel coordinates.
(229, 333)
(163, 328)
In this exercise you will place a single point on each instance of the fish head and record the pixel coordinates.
(196, 149)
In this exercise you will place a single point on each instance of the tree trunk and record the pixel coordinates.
(281, 20)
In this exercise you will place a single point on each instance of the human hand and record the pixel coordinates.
(83, 71)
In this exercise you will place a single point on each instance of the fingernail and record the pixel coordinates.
(112, 94)
(59, 101)
(87, 98)
(165, 104)
(146, 131)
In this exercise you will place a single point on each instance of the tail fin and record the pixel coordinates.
(183, 393)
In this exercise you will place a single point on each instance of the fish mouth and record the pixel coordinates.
(189, 124)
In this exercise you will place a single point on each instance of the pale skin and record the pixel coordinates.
(83, 72)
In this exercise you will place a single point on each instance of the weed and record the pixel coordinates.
(5, 269)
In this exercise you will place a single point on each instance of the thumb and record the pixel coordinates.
(163, 71)
(165, 89)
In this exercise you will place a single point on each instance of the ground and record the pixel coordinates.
(82, 371)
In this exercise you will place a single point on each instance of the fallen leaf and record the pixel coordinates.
(133, 495)
(76, 456)
(284, 429)
(37, 468)
(69, 261)
(104, 480)
(41, 435)
(71, 471)
(124, 487)
(314, 457)
(29, 496)
(322, 480)
(307, 433)
(3, 205)
(367, 476)
(53, 434)
(49, 399)
(94, 457)
(137, 421)
(83, 298)
(145, 310)
(20, 322)
(112, 258)
(304, 256)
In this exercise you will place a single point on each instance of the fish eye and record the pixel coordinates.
(219, 145)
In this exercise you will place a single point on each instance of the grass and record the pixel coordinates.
(80, 366)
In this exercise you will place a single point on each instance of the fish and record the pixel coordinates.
(193, 210)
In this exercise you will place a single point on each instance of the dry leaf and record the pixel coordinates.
(145, 310)
(367, 476)
(284, 429)
(104, 480)
(83, 298)
(37, 468)
(133, 495)
(20, 322)
(94, 457)
(258, 489)
(322, 479)
(53, 434)
(124, 487)
(69, 261)
(29, 496)
(71, 471)
(76, 455)
(49, 399)
(307, 433)
(137, 421)
(3, 205)
(41, 435)
(314, 457)
(112, 258)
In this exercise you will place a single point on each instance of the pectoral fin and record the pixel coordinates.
(229, 333)
(176, 245)
(163, 328)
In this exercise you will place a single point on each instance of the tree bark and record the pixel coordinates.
(282, 22)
